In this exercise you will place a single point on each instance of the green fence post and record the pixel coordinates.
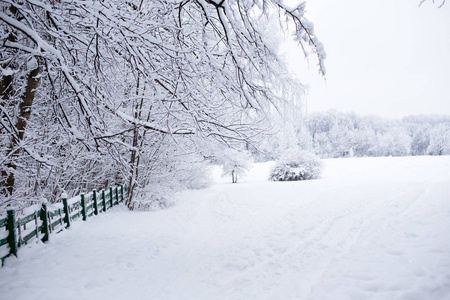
(111, 196)
(45, 223)
(121, 192)
(117, 195)
(94, 198)
(66, 210)
(83, 207)
(103, 200)
(12, 237)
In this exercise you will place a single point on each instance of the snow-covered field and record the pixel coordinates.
(371, 228)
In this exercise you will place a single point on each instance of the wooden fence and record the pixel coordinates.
(16, 231)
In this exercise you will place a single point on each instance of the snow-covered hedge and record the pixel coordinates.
(297, 165)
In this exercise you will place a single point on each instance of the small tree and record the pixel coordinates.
(235, 162)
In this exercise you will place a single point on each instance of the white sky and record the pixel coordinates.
(385, 57)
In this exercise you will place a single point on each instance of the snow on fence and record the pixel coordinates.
(16, 231)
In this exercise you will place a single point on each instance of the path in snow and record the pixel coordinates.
(371, 228)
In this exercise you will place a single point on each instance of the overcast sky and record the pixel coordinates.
(384, 57)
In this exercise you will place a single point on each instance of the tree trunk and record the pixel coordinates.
(135, 159)
(23, 116)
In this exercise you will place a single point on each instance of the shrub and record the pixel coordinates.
(152, 197)
(296, 165)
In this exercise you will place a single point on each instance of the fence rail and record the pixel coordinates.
(16, 231)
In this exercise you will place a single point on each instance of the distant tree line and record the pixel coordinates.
(335, 134)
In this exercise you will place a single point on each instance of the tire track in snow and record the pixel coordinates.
(309, 252)
(346, 236)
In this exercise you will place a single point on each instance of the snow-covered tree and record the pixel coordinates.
(395, 142)
(122, 78)
(420, 136)
(235, 162)
(305, 141)
(439, 140)
(274, 144)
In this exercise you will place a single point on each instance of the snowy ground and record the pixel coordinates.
(371, 228)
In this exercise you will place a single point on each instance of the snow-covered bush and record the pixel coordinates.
(153, 197)
(171, 174)
(296, 165)
(194, 175)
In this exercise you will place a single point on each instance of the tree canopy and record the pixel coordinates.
(94, 92)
